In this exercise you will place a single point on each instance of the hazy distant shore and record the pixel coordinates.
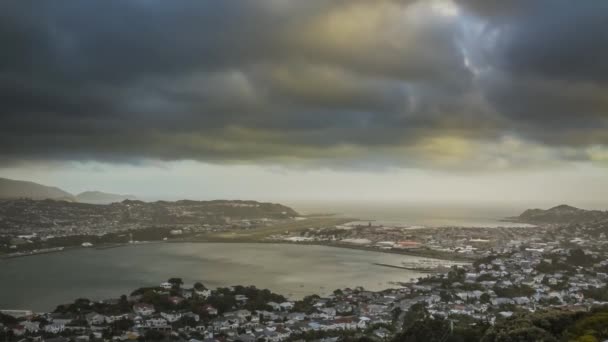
(445, 256)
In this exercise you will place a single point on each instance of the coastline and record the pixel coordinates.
(70, 248)
(441, 256)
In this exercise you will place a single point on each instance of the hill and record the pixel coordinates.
(10, 189)
(99, 197)
(15, 189)
(27, 215)
(561, 214)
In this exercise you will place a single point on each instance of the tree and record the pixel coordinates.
(529, 333)
(426, 330)
(579, 258)
(416, 313)
(596, 325)
(123, 304)
(456, 274)
(176, 282)
(587, 338)
(306, 304)
(199, 286)
(122, 324)
(153, 335)
(484, 298)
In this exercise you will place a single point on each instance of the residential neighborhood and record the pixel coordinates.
(490, 290)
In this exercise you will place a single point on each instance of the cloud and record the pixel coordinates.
(437, 84)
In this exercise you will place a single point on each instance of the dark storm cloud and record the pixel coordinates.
(556, 39)
(549, 62)
(297, 80)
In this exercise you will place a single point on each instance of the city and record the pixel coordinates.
(561, 269)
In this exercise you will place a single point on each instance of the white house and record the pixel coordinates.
(274, 305)
(143, 309)
(54, 328)
(30, 326)
(203, 293)
(171, 316)
(286, 305)
(156, 322)
(94, 318)
(210, 310)
(240, 298)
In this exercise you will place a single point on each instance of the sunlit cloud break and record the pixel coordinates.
(424, 84)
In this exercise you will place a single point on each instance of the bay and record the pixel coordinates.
(41, 282)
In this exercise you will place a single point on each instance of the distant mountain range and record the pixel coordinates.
(98, 197)
(19, 216)
(13, 189)
(561, 214)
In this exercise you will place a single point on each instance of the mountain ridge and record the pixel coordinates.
(13, 189)
(16, 189)
(100, 197)
(562, 213)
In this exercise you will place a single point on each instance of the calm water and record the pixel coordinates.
(41, 282)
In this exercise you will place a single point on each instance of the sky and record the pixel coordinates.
(428, 100)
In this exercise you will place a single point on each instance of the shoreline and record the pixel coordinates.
(441, 256)
(71, 248)
(429, 254)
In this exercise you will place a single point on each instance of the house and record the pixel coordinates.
(56, 339)
(373, 309)
(171, 316)
(143, 309)
(166, 285)
(296, 316)
(30, 326)
(238, 314)
(192, 315)
(274, 305)
(54, 328)
(382, 333)
(329, 312)
(205, 293)
(210, 310)
(286, 306)
(59, 319)
(19, 330)
(268, 315)
(343, 308)
(94, 318)
(240, 298)
(156, 323)
(246, 338)
(175, 300)
(501, 301)
(114, 318)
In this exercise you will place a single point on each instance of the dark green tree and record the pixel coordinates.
(176, 282)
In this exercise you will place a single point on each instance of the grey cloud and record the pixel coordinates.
(547, 68)
(326, 81)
